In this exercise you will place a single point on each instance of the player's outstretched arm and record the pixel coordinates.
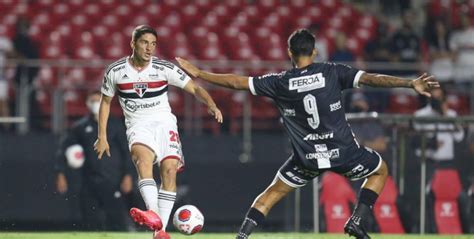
(231, 81)
(101, 145)
(422, 84)
(202, 95)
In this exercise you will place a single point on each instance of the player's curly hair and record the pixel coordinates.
(142, 29)
(301, 43)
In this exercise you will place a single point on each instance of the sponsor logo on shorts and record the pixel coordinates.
(306, 172)
(357, 172)
(324, 155)
(335, 106)
(328, 135)
(296, 178)
(133, 106)
(307, 83)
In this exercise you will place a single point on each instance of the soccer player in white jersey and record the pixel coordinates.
(141, 82)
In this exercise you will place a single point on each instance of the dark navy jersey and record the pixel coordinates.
(310, 102)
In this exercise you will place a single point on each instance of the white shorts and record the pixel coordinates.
(162, 138)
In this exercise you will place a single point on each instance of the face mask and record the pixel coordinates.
(436, 105)
(94, 107)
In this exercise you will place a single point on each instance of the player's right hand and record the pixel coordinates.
(188, 67)
(101, 146)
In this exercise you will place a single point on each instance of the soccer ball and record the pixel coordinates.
(188, 220)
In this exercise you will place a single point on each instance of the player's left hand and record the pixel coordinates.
(214, 111)
(188, 67)
(424, 84)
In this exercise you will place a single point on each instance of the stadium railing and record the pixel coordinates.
(402, 137)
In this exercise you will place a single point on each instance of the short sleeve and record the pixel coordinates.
(177, 77)
(108, 87)
(265, 85)
(347, 76)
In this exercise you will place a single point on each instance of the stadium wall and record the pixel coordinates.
(214, 180)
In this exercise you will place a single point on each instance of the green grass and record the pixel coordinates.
(148, 235)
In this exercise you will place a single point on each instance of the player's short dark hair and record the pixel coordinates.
(141, 30)
(301, 43)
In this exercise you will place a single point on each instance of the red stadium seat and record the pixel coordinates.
(190, 15)
(176, 100)
(336, 198)
(53, 47)
(458, 102)
(265, 115)
(446, 187)
(386, 211)
(75, 103)
(116, 47)
(404, 103)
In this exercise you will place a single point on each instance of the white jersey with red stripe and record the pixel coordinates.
(143, 94)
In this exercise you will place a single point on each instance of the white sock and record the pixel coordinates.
(149, 193)
(165, 205)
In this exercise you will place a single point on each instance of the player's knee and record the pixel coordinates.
(169, 172)
(140, 161)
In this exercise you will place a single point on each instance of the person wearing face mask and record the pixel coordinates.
(103, 184)
(441, 143)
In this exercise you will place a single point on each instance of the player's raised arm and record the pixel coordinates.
(231, 81)
(101, 145)
(202, 95)
(422, 84)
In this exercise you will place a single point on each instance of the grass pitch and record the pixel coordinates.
(148, 235)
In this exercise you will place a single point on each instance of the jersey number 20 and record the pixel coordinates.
(311, 108)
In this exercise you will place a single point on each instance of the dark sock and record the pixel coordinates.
(366, 201)
(253, 218)
(367, 197)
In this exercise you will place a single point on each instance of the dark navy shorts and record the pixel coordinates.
(361, 166)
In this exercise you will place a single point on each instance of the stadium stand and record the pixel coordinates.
(336, 201)
(204, 30)
(446, 188)
(386, 209)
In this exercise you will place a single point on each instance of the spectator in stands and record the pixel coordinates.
(342, 54)
(462, 44)
(104, 182)
(5, 52)
(26, 49)
(368, 133)
(440, 54)
(321, 44)
(378, 51)
(440, 148)
(405, 45)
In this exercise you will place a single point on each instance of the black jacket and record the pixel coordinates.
(84, 133)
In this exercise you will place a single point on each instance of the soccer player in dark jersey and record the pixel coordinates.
(309, 100)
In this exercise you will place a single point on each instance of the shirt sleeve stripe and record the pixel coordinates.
(251, 87)
(357, 78)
